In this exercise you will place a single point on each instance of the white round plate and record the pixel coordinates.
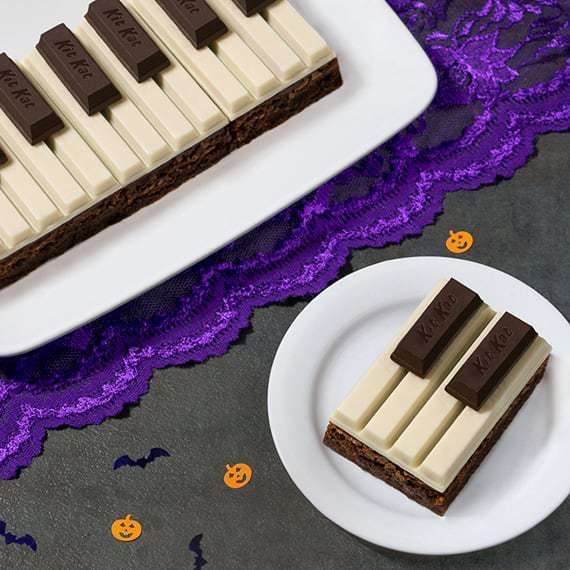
(332, 343)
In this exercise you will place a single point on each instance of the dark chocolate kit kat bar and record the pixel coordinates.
(488, 364)
(127, 38)
(198, 22)
(24, 105)
(250, 7)
(103, 119)
(78, 71)
(447, 313)
(433, 405)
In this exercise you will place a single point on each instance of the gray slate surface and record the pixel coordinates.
(215, 413)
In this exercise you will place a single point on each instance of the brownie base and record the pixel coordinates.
(382, 468)
(286, 104)
(156, 184)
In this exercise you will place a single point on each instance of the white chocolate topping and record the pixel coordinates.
(419, 426)
(138, 133)
(179, 85)
(153, 103)
(245, 65)
(95, 129)
(26, 195)
(297, 32)
(83, 163)
(45, 167)
(261, 38)
(226, 91)
(13, 228)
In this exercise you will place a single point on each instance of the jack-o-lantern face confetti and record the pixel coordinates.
(459, 242)
(237, 476)
(126, 530)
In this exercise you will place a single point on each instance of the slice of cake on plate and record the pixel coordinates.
(432, 406)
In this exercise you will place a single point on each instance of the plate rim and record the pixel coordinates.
(537, 515)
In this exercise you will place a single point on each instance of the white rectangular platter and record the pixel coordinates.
(389, 81)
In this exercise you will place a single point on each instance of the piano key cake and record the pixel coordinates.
(432, 406)
(102, 120)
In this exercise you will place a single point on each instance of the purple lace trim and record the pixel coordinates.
(504, 73)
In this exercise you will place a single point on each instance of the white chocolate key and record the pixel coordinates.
(99, 134)
(372, 389)
(24, 192)
(261, 38)
(82, 162)
(138, 133)
(13, 228)
(180, 86)
(214, 77)
(297, 32)
(153, 103)
(245, 65)
(45, 167)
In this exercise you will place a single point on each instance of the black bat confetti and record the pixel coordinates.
(196, 548)
(126, 461)
(10, 538)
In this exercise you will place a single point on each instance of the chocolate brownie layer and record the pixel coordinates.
(156, 184)
(376, 464)
(286, 104)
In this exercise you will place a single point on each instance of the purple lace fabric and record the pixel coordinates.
(504, 73)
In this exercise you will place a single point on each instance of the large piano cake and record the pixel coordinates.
(100, 121)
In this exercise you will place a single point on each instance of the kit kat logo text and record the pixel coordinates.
(77, 63)
(437, 317)
(19, 93)
(494, 348)
(191, 6)
(127, 33)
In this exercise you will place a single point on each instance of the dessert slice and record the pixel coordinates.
(433, 405)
